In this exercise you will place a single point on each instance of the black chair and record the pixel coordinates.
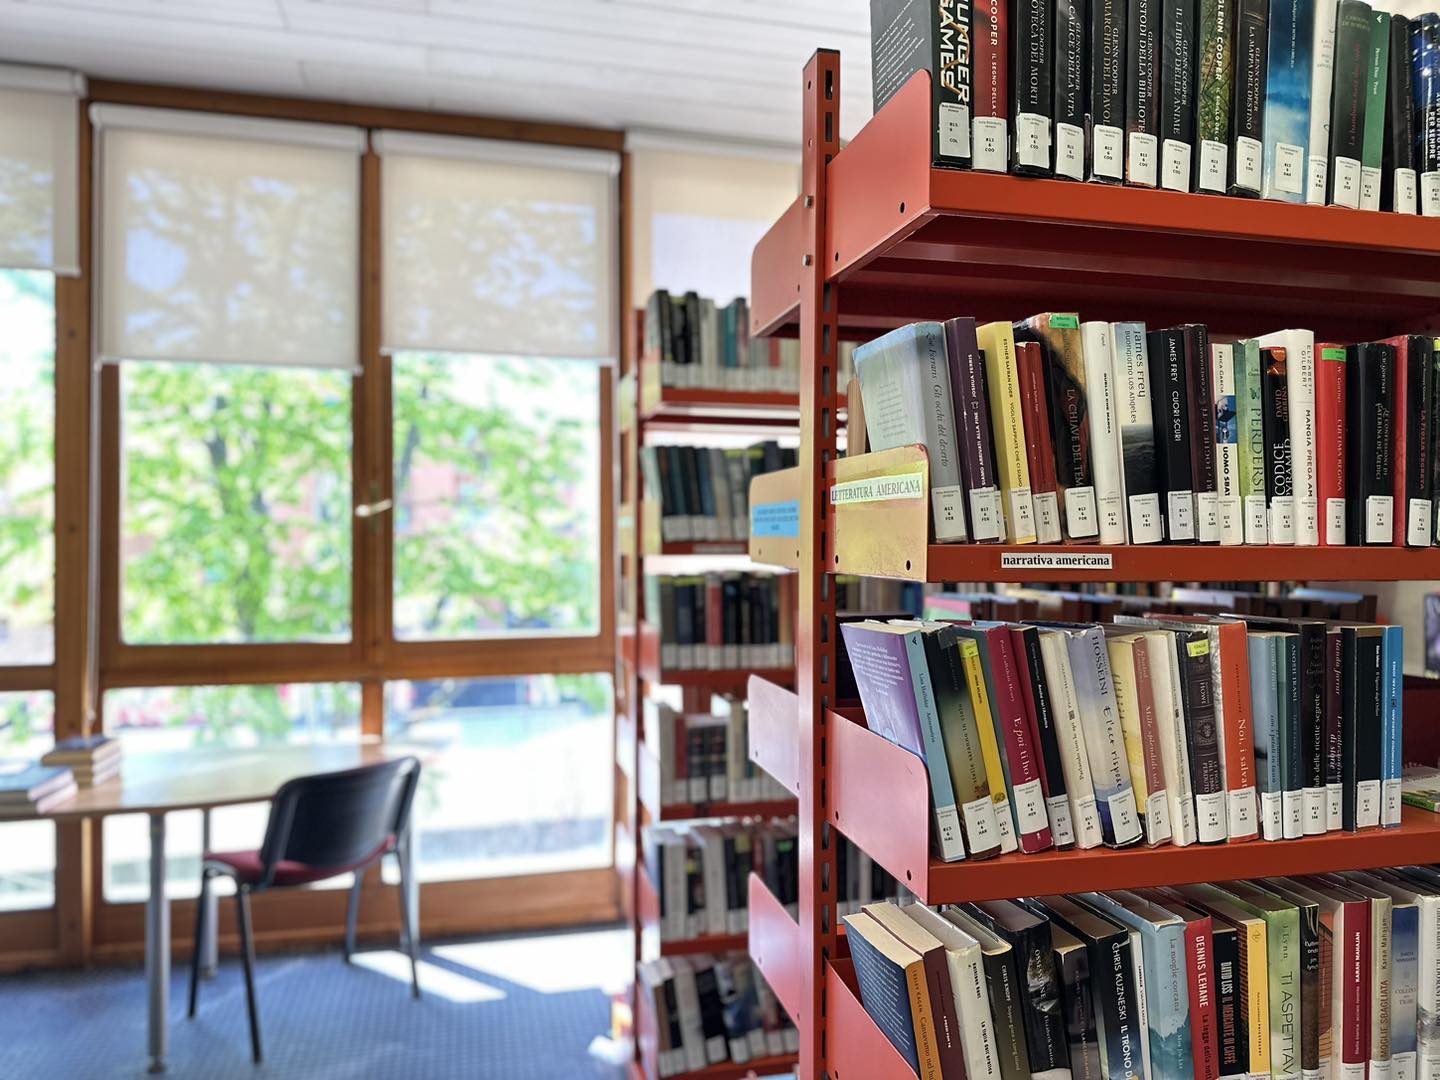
(320, 827)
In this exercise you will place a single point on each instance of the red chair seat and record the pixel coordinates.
(246, 867)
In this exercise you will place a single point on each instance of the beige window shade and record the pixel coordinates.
(697, 214)
(497, 247)
(228, 239)
(39, 169)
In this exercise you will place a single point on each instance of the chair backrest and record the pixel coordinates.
(337, 819)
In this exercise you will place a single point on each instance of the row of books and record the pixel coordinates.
(1051, 429)
(1173, 729)
(702, 873)
(713, 1009)
(1304, 101)
(1095, 605)
(705, 346)
(704, 491)
(29, 789)
(724, 621)
(92, 759)
(1285, 978)
(704, 758)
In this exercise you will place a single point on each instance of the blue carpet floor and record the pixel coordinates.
(494, 1009)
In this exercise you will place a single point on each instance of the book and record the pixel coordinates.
(1398, 184)
(1200, 408)
(1330, 442)
(1199, 962)
(973, 435)
(1039, 449)
(1212, 97)
(1188, 736)
(1392, 722)
(1347, 101)
(967, 980)
(990, 125)
(1250, 435)
(1172, 444)
(1031, 87)
(935, 39)
(82, 750)
(893, 991)
(1373, 145)
(1405, 930)
(1069, 731)
(1061, 343)
(1414, 388)
(1380, 976)
(1322, 74)
(1334, 729)
(997, 343)
(1370, 447)
(1142, 88)
(1251, 61)
(1177, 94)
(936, 967)
(1077, 1001)
(1283, 962)
(1425, 54)
(1040, 710)
(1287, 99)
(1139, 482)
(894, 682)
(1361, 718)
(1135, 701)
(1230, 503)
(905, 380)
(1068, 83)
(1265, 668)
(975, 661)
(1105, 100)
(1424, 883)
(1005, 990)
(1105, 437)
(1279, 461)
(1299, 346)
(25, 782)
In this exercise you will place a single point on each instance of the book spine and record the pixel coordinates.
(989, 745)
(1202, 433)
(1255, 984)
(1043, 1012)
(1172, 443)
(1137, 434)
(1118, 1009)
(1204, 1036)
(952, 81)
(1005, 1010)
(1063, 349)
(990, 146)
(1239, 740)
(1381, 960)
(1279, 476)
(1370, 400)
(1142, 102)
(1314, 691)
(1028, 658)
(1313, 1029)
(1283, 963)
(1398, 191)
(1322, 75)
(1400, 428)
(973, 437)
(997, 342)
(1347, 101)
(1369, 730)
(1249, 406)
(962, 743)
(1300, 384)
(1104, 740)
(1247, 148)
(1105, 90)
(1425, 52)
(1414, 444)
(1392, 658)
(1428, 997)
(1039, 453)
(1287, 99)
(1075, 762)
(1031, 89)
(1354, 1027)
(1071, 19)
(1334, 727)
(1212, 99)
(1227, 445)
(1026, 790)
(948, 838)
(1202, 736)
(1177, 94)
(1232, 1052)
(1330, 442)
(1078, 1002)
(946, 497)
(1374, 145)
(1136, 706)
(1292, 757)
(1404, 989)
(1269, 775)
(1105, 439)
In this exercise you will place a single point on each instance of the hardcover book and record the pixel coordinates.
(1252, 45)
(1361, 719)
(1177, 94)
(1279, 467)
(1399, 188)
(1413, 382)
(1425, 52)
(1140, 484)
(1250, 419)
(1216, 77)
(1330, 442)
(1227, 446)
(997, 342)
(1105, 437)
(972, 424)
(1060, 340)
(1287, 99)
(1347, 101)
(1105, 91)
(1071, 20)
(1370, 447)
(1172, 442)
(907, 36)
(1373, 147)
(1299, 346)
(1031, 103)
(1322, 73)
(990, 151)
(1142, 102)
(1202, 433)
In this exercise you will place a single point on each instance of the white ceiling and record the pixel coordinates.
(724, 67)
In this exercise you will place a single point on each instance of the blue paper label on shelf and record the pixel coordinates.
(775, 519)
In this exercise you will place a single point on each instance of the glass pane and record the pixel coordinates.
(236, 512)
(27, 467)
(497, 485)
(524, 782)
(27, 848)
(176, 718)
(704, 253)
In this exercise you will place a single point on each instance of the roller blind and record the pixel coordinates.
(497, 247)
(698, 210)
(39, 169)
(228, 239)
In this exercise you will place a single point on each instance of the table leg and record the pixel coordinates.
(157, 945)
(210, 946)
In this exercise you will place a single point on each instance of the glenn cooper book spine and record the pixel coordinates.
(1373, 154)
(1252, 46)
(1071, 22)
(1172, 441)
(1398, 184)
(1201, 398)
(1177, 94)
(1105, 91)
(989, 149)
(1287, 99)
(972, 424)
(1212, 98)
(1321, 79)
(1279, 479)
(1369, 470)
(1142, 101)
(1425, 51)
(1031, 101)
(1347, 101)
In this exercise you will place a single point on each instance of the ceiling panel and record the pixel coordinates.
(724, 67)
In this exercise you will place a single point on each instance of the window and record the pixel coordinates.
(497, 478)
(27, 468)
(525, 781)
(27, 848)
(236, 504)
(175, 718)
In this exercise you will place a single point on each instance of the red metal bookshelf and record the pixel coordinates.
(878, 238)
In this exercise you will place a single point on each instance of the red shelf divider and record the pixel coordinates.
(775, 945)
(774, 718)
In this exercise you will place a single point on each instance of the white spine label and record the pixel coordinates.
(947, 504)
(1207, 505)
(1404, 1065)
(1315, 178)
(1241, 804)
(1417, 523)
(1022, 514)
(1282, 519)
(1294, 804)
(947, 828)
(1232, 520)
(1350, 1070)
(1108, 152)
(1335, 522)
(1157, 816)
(1391, 801)
(1123, 816)
(1380, 1070)
(1314, 811)
(1081, 516)
(1087, 821)
(1032, 140)
(1248, 155)
(1334, 818)
(1069, 151)
(1062, 829)
(1430, 194)
(979, 815)
(1047, 517)
(954, 129)
(1379, 519)
(991, 151)
(1004, 824)
(985, 514)
(1146, 525)
(1289, 168)
(1347, 183)
(1214, 165)
(1257, 524)
(1272, 815)
(1367, 804)
(1141, 166)
(1180, 523)
(1030, 807)
(1175, 165)
(1210, 812)
(1370, 188)
(1405, 191)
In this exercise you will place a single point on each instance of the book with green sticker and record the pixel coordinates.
(1251, 439)
(1283, 962)
(1330, 441)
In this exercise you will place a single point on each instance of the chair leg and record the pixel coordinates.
(247, 956)
(409, 928)
(200, 905)
(352, 915)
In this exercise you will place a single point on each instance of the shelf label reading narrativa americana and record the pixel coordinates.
(879, 488)
(1053, 560)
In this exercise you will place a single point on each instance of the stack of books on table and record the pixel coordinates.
(92, 758)
(28, 789)
(1330, 975)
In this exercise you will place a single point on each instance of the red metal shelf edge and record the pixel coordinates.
(856, 1048)
(774, 728)
(692, 811)
(775, 946)
(760, 1069)
(700, 547)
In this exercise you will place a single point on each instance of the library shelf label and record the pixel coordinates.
(1054, 560)
(775, 519)
(909, 485)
